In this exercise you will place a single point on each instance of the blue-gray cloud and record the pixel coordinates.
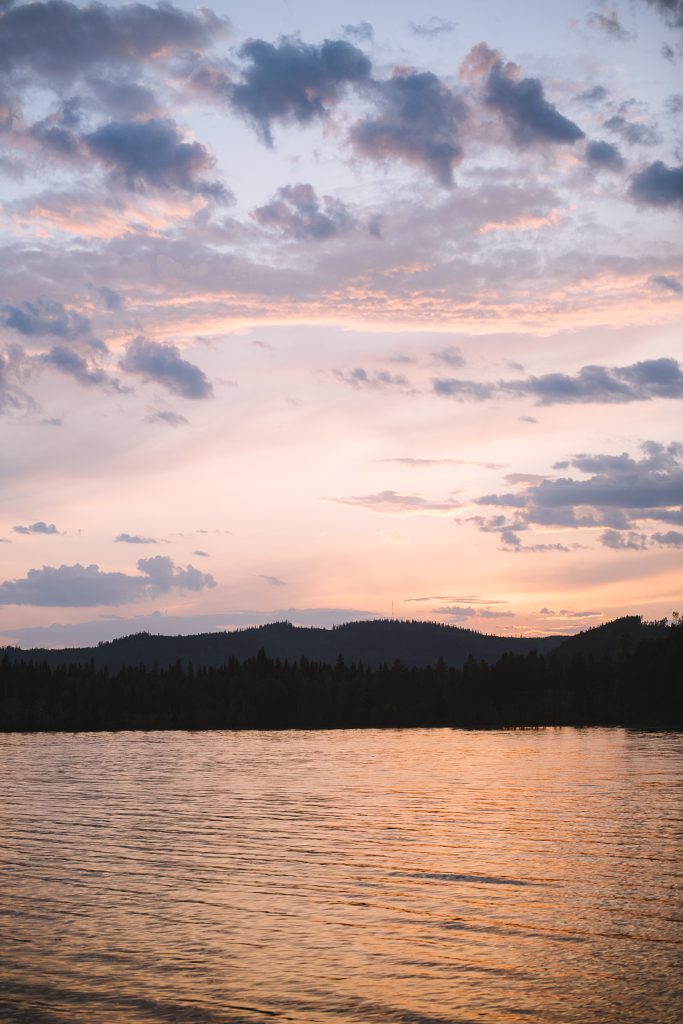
(620, 493)
(635, 133)
(133, 538)
(167, 416)
(610, 24)
(379, 380)
(673, 539)
(434, 26)
(671, 284)
(639, 382)
(40, 527)
(362, 32)
(67, 361)
(273, 581)
(658, 185)
(604, 155)
(294, 81)
(78, 586)
(56, 41)
(418, 119)
(153, 154)
(114, 626)
(521, 102)
(164, 365)
(46, 317)
(297, 212)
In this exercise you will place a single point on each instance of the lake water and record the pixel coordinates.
(412, 876)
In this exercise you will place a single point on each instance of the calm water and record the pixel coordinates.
(367, 876)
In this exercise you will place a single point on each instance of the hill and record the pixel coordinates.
(381, 641)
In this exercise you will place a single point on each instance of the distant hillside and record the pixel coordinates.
(376, 642)
(381, 641)
(616, 639)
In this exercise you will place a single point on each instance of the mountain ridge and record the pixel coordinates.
(415, 643)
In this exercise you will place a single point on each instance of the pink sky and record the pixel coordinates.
(312, 318)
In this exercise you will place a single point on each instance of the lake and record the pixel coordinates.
(409, 876)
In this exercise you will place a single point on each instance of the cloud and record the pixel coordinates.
(172, 419)
(295, 81)
(658, 185)
(56, 41)
(362, 32)
(398, 504)
(620, 494)
(379, 380)
(418, 119)
(67, 361)
(623, 541)
(111, 626)
(46, 317)
(521, 102)
(671, 11)
(201, 554)
(455, 611)
(78, 586)
(153, 153)
(604, 155)
(123, 98)
(610, 24)
(39, 527)
(133, 538)
(673, 538)
(273, 581)
(635, 133)
(435, 26)
(671, 284)
(594, 94)
(164, 365)
(297, 212)
(451, 356)
(642, 381)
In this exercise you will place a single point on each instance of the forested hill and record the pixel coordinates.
(382, 641)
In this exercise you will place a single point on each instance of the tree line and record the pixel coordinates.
(643, 687)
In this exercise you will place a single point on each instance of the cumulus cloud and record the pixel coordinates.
(297, 212)
(74, 365)
(639, 382)
(658, 185)
(56, 41)
(451, 356)
(604, 156)
(672, 538)
(379, 380)
(153, 154)
(398, 504)
(594, 94)
(418, 119)
(619, 493)
(295, 81)
(521, 102)
(133, 538)
(164, 365)
(40, 527)
(46, 317)
(78, 586)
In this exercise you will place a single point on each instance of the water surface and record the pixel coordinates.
(412, 876)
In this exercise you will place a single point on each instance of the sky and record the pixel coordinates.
(324, 313)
